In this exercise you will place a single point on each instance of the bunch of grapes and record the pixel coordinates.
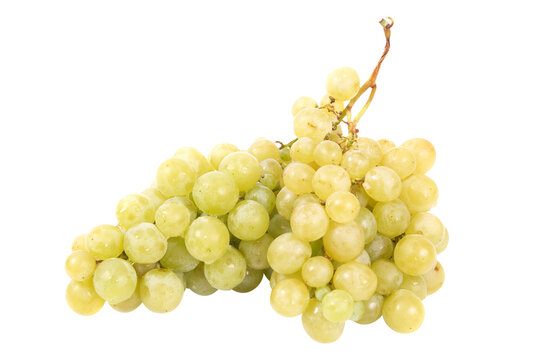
(339, 224)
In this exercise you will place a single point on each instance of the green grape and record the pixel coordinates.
(364, 258)
(131, 303)
(401, 160)
(298, 178)
(317, 247)
(144, 244)
(287, 253)
(414, 254)
(372, 309)
(290, 297)
(389, 277)
(105, 241)
(343, 83)
(155, 197)
(386, 145)
(392, 217)
(356, 164)
(312, 123)
(219, 152)
(79, 243)
(134, 209)
(358, 311)
(327, 152)
(424, 154)
(252, 279)
(367, 221)
(285, 154)
(161, 290)
(175, 177)
(277, 277)
(309, 221)
(302, 103)
(228, 271)
(403, 311)
(329, 179)
(285, 200)
(306, 199)
(262, 195)
(248, 220)
(80, 265)
(320, 292)
(82, 298)
(342, 206)
(382, 184)
(381, 247)
(338, 105)
(416, 284)
(195, 159)
(419, 193)
(337, 306)
(115, 280)
(278, 226)
(444, 242)
(317, 326)
(207, 239)
(255, 252)
(215, 193)
(428, 225)
(317, 271)
(172, 218)
(270, 181)
(177, 257)
(369, 148)
(189, 204)
(343, 242)
(357, 279)
(268, 273)
(271, 172)
(434, 278)
(362, 196)
(141, 269)
(264, 149)
(243, 167)
(303, 150)
(196, 281)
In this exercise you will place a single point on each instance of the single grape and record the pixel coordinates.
(389, 277)
(196, 281)
(343, 242)
(243, 167)
(321, 292)
(228, 271)
(115, 280)
(414, 254)
(172, 218)
(207, 239)
(382, 184)
(309, 221)
(419, 193)
(285, 155)
(177, 257)
(356, 164)
(141, 269)
(251, 281)
(134, 209)
(424, 154)
(195, 159)
(434, 278)
(219, 152)
(329, 179)
(144, 244)
(215, 193)
(381, 247)
(262, 195)
(248, 220)
(278, 226)
(303, 150)
(392, 217)
(306, 199)
(317, 326)
(362, 196)
(343, 83)
(255, 252)
(416, 284)
(290, 297)
(428, 225)
(82, 298)
(264, 149)
(317, 271)
(357, 279)
(312, 123)
(79, 243)
(302, 103)
(342, 206)
(403, 311)
(386, 145)
(369, 148)
(105, 241)
(401, 160)
(80, 265)
(372, 309)
(285, 200)
(298, 178)
(271, 173)
(367, 221)
(287, 253)
(131, 303)
(337, 306)
(175, 177)
(327, 152)
(161, 290)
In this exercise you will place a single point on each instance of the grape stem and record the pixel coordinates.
(282, 145)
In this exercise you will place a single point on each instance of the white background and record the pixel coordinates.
(95, 94)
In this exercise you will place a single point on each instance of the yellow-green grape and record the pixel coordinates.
(161, 290)
(277, 277)
(298, 178)
(285, 155)
(389, 278)
(320, 292)
(338, 105)
(317, 271)
(342, 206)
(228, 271)
(79, 243)
(312, 123)
(401, 160)
(372, 309)
(215, 193)
(363, 258)
(207, 239)
(195, 159)
(358, 311)
(248, 220)
(364, 199)
(285, 200)
(255, 252)
(271, 172)
(141, 269)
(303, 150)
(262, 195)
(105, 241)
(386, 145)
(327, 152)
(264, 149)
(329, 179)
(343, 83)
(82, 298)
(189, 204)
(172, 218)
(381, 247)
(392, 217)
(428, 225)
(419, 193)
(414, 254)
(80, 265)
(444, 242)
(403, 311)
(177, 257)
(252, 279)
(219, 152)
(131, 303)
(434, 278)
(382, 184)
(287, 253)
(115, 280)
(367, 221)
(290, 297)
(278, 226)
(357, 279)
(302, 103)
(306, 199)
(155, 197)
(243, 167)
(343, 242)
(309, 221)
(337, 306)
(369, 148)
(424, 154)
(196, 281)
(317, 326)
(144, 244)
(356, 164)
(416, 284)
(134, 209)
(175, 177)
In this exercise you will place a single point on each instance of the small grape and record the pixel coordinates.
(382, 184)
(424, 154)
(287, 253)
(303, 150)
(134, 209)
(243, 167)
(144, 244)
(207, 239)
(367, 221)
(177, 257)
(215, 193)
(372, 309)
(389, 277)
(381, 247)
(105, 241)
(251, 281)
(309, 221)
(228, 271)
(414, 254)
(312, 123)
(196, 281)
(255, 252)
(248, 220)
(161, 290)
(219, 152)
(386, 145)
(317, 271)
(172, 218)
(290, 297)
(343, 242)
(401, 160)
(115, 280)
(298, 178)
(302, 103)
(262, 195)
(317, 326)
(342, 206)
(392, 217)
(80, 265)
(264, 149)
(195, 159)
(403, 311)
(357, 279)
(327, 152)
(434, 278)
(343, 83)
(82, 298)
(337, 306)
(175, 177)
(329, 179)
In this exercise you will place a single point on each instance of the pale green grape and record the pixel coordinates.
(175, 177)
(369, 148)
(343, 83)
(207, 239)
(255, 252)
(419, 193)
(320, 292)
(428, 225)
(278, 226)
(134, 209)
(356, 164)
(366, 220)
(252, 279)
(364, 198)
(358, 311)
(82, 298)
(317, 271)
(304, 199)
(228, 271)
(177, 257)
(285, 200)
(219, 152)
(381, 247)
(115, 280)
(392, 217)
(303, 150)
(290, 297)
(298, 178)
(264, 149)
(386, 145)
(327, 152)
(434, 278)
(364, 258)
(141, 269)
(312, 123)
(357, 279)
(342, 206)
(161, 290)
(309, 221)
(277, 277)
(262, 195)
(343, 242)
(248, 220)
(382, 184)
(338, 105)
(270, 181)
(196, 281)
(189, 204)
(302, 103)
(414, 254)
(389, 277)
(131, 303)
(337, 306)
(243, 167)
(401, 160)
(317, 326)
(424, 154)
(155, 197)
(285, 154)
(172, 218)
(105, 241)
(195, 159)
(215, 193)
(403, 311)
(287, 253)
(444, 242)
(329, 179)
(416, 284)
(144, 244)
(271, 172)
(80, 265)
(372, 309)
(79, 243)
